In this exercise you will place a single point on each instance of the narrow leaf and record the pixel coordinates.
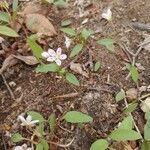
(134, 73)
(66, 23)
(15, 5)
(120, 96)
(39, 147)
(97, 66)
(76, 50)
(85, 33)
(4, 17)
(72, 79)
(36, 49)
(124, 135)
(8, 31)
(69, 31)
(45, 144)
(147, 130)
(77, 117)
(145, 145)
(48, 68)
(100, 144)
(131, 107)
(52, 122)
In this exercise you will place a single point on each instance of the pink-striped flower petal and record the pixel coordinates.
(52, 52)
(58, 62)
(51, 59)
(63, 57)
(45, 54)
(59, 50)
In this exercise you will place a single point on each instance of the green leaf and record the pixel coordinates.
(120, 96)
(85, 33)
(39, 147)
(45, 144)
(8, 31)
(4, 17)
(77, 117)
(145, 145)
(72, 79)
(147, 130)
(16, 138)
(147, 115)
(127, 123)
(52, 122)
(76, 50)
(60, 3)
(36, 49)
(97, 66)
(66, 23)
(36, 116)
(124, 135)
(69, 31)
(48, 68)
(15, 5)
(100, 144)
(40, 129)
(131, 107)
(134, 72)
(108, 43)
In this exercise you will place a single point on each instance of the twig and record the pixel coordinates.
(9, 89)
(64, 129)
(136, 127)
(140, 26)
(62, 145)
(4, 143)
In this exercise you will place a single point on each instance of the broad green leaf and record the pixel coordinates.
(145, 145)
(134, 72)
(85, 33)
(36, 49)
(15, 5)
(60, 3)
(8, 31)
(147, 130)
(97, 66)
(131, 107)
(127, 123)
(48, 68)
(69, 31)
(36, 116)
(77, 117)
(124, 135)
(52, 122)
(76, 50)
(45, 144)
(100, 144)
(108, 43)
(4, 17)
(120, 96)
(39, 147)
(66, 23)
(72, 79)
(147, 115)
(16, 138)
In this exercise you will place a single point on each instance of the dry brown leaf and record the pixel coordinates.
(30, 8)
(29, 60)
(8, 62)
(76, 67)
(146, 43)
(38, 23)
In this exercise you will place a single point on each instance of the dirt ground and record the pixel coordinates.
(95, 96)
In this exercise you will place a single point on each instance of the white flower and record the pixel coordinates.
(28, 121)
(107, 14)
(67, 42)
(53, 56)
(23, 147)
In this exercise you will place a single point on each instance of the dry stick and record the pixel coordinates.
(62, 145)
(136, 127)
(4, 143)
(9, 89)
